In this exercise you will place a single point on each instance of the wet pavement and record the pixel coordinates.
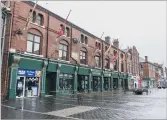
(107, 105)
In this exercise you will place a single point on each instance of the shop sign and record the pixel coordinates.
(96, 72)
(107, 74)
(32, 73)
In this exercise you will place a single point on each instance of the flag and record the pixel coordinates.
(115, 57)
(60, 32)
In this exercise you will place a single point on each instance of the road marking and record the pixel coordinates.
(38, 112)
(71, 111)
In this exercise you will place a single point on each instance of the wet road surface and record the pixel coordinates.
(106, 105)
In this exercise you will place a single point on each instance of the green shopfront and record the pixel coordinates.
(32, 76)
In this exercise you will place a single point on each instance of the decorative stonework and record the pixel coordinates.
(16, 60)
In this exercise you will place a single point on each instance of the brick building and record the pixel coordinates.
(149, 73)
(35, 64)
(132, 67)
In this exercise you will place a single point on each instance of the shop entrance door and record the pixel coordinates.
(20, 87)
(115, 83)
(106, 83)
(82, 83)
(96, 84)
(31, 86)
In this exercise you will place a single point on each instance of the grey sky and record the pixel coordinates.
(139, 23)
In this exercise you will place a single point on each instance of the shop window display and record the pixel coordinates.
(66, 82)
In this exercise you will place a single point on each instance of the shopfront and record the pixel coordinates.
(96, 81)
(28, 83)
(83, 79)
(107, 81)
(66, 83)
(66, 79)
(115, 80)
(83, 83)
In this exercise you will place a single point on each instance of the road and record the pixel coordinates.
(106, 105)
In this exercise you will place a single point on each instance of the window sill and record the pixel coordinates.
(33, 54)
(37, 25)
(98, 67)
(84, 65)
(64, 60)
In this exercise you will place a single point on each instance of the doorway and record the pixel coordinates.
(20, 86)
(83, 84)
(106, 83)
(96, 84)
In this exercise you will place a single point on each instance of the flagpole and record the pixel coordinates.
(29, 17)
(65, 22)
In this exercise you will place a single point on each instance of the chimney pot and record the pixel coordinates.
(146, 58)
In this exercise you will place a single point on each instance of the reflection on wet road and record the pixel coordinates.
(105, 105)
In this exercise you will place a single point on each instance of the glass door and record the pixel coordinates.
(106, 84)
(20, 87)
(96, 84)
(31, 86)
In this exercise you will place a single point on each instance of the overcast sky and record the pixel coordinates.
(139, 23)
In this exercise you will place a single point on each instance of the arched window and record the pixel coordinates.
(83, 56)
(33, 43)
(40, 19)
(107, 63)
(33, 17)
(63, 50)
(97, 60)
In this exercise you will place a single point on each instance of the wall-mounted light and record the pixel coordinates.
(19, 32)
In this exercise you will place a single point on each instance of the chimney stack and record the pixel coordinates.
(107, 39)
(116, 43)
(146, 58)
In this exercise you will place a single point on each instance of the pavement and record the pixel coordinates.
(106, 105)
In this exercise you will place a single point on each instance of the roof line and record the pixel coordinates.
(62, 19)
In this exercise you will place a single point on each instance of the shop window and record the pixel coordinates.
(40, 19)
(66, 82)
(83, 57)
(63, 50)
(33, 43)
(97, 61)
(107, 63)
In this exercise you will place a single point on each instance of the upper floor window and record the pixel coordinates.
(84, 39)
(33, 43)
(98, 45)
(107, 63)
(97, 61)
(67, 32)
(83, 56)
(63, 28)
(63, 50)
(40, 19)
(106, 48)
(33, 16)
(122, 67)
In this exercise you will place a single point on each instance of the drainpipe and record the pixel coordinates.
(102, 55)
(10, 38)
(71, 45)
(47, 38)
